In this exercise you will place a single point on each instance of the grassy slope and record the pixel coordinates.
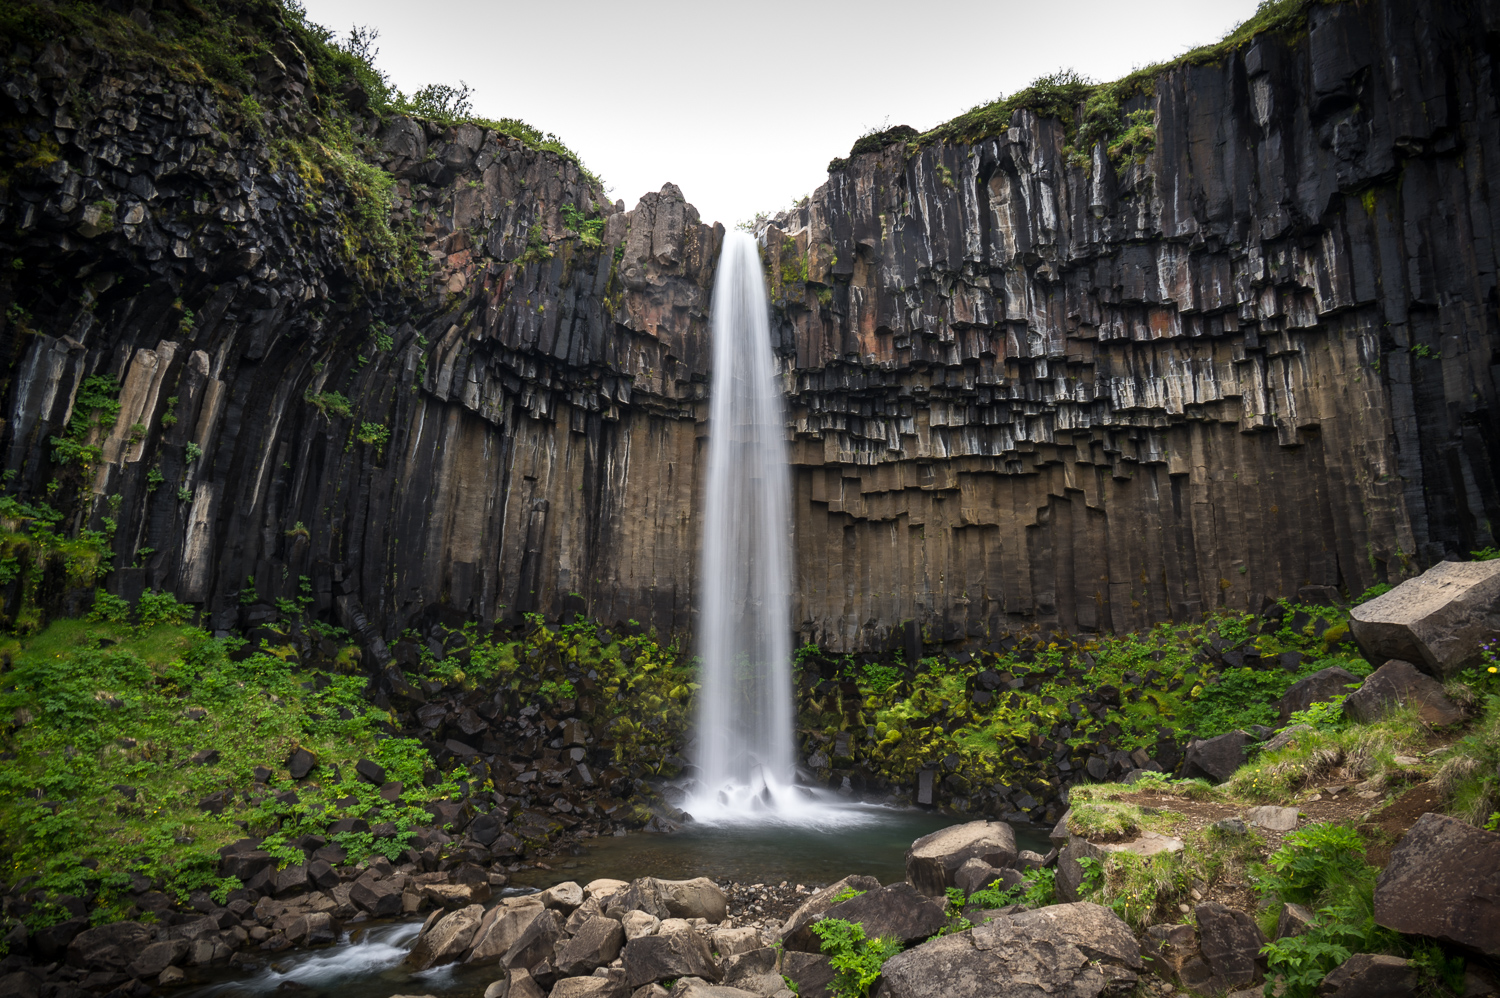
(96, 706)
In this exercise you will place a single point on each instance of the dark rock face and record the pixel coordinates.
(1230, 942)
(1320, 686)
(1216, 758)
(1443, 881)
(1396, 684)
(1087, 394)
(671, 955)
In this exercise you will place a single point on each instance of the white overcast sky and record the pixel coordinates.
(742, 105)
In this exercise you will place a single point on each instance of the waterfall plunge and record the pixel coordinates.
(745, 705)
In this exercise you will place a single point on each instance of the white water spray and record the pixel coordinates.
(745, 705)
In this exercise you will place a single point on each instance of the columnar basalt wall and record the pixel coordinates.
(1027, 384)
(1030, 384)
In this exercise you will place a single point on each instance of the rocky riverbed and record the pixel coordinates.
(949, 930)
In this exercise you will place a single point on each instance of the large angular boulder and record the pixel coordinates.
(1172, 952)
(692, 987)
(597, 943)
(1216, 759)
(696, 898)
(1319, 687)
(1443, 881)
(896, 911)
(1067, 951)
(812, 972)
(108, 947)
(1230, 942)
(814, 907)
(1371, 975)
(536, 943)
(1397, 684)
(445, 938)
(976, 875)
(502, 926)
(155, 958)
(934, 860)
(1436, 620)
(668, 956)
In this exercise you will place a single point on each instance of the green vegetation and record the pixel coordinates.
(1094, 112)
(1139, 684)
(640, 688)
(121, 727)
(375, 434)
(95, 409)
(327, 403)
(588, 229)
(856, 960)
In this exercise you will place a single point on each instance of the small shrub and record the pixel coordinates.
(856, 961)
(330, 402)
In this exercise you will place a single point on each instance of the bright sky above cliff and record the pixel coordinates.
(742, 105)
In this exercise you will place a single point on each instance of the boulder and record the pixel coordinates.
(445, 938)
(748, 964)
(597, 943)
(813, 973)
(564, 897)
(20, 984)
(639, 923)
(1063, 950)
(1320, 686)
(381, 898)
(498, 988)
(1293, 920)
(667, 956)
(821, 900)
(536, 943)
(1273, 818)
(640, 895)
(896, 910)
(692, 987)
(1172, 953)
(1230, 942)
(456, 895)
(1370, 975)
(933, 860)
(732, 942)
(300, 763)
(1443, 881)
(696, 898)
(586, 987)
(1396, 684)
(603, 887)
(1216, 759)
(501, 927)
(108, 947)
(523, 985)
(976, 875)
(1437, 620)
(155, 958)
(1283, 738)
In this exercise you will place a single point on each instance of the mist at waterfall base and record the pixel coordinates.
(745, 752)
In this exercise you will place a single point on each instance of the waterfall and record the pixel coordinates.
(746, 753)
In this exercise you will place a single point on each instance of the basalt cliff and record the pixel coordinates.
(1031, 379)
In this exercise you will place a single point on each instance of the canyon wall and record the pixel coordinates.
(1027, 383)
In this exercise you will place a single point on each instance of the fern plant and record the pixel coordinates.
(856, 961)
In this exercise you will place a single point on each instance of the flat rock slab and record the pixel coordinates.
(1436, 620)
(1066, 951)
(1397, 684)
(1272, 818)
(934, 860)
(1443, 881)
